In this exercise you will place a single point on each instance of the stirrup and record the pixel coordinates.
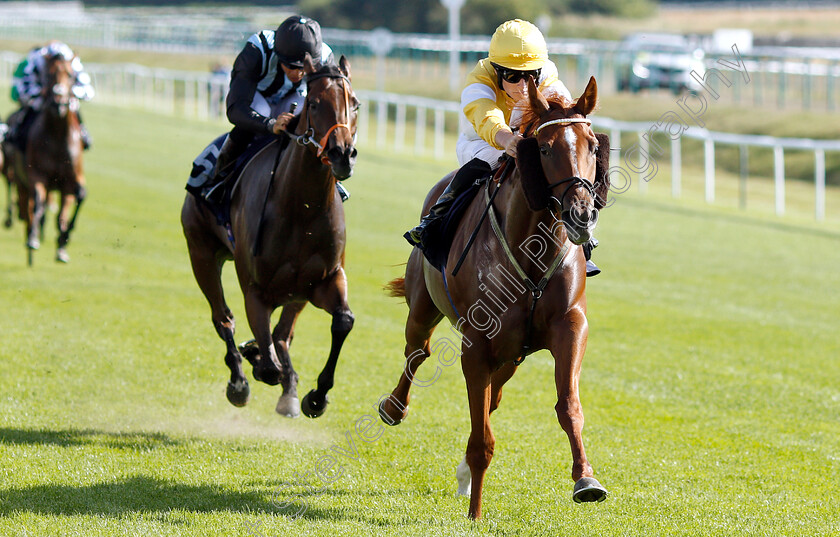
(591, 269)
(414, 237)
(343, 193)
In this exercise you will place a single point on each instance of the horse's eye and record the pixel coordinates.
(544, 149)
(313, 105)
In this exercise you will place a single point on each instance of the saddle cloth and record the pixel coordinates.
(440, 233)
(205, 162)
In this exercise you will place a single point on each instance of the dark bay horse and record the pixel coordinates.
(53, 159)
(522, 285)
(287, 223)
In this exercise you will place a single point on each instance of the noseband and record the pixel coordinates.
(308, 136)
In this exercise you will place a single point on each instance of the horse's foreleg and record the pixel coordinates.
(568, 346)
(481, 443)
(332, 298)
(497, 381)
(287, 404)
(284, 331)
(65, 223)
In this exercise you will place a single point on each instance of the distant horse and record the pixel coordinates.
(522, 285)
(53, 159)
(287, 223)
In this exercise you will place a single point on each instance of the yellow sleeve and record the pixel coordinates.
(484, 105)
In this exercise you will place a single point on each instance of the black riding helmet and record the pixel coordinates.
(294, 38)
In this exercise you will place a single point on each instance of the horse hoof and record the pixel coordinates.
(238, 393)
(310, 406)
(7, 223)
(587, 489)
(384, 416)
(288, 405)
(33, 244)
(250, 351)
(62, 256)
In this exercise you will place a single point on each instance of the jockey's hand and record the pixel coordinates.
(282, 122)
(508, 140)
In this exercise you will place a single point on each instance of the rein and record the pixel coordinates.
(535, 288)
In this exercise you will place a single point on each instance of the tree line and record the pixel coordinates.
(479, 17)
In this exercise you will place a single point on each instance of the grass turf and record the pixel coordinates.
(710, 385)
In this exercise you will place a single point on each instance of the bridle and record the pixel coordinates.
(57, 94)
(308, 136)
(573, 182)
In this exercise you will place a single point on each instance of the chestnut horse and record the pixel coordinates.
(528, 242)
(287, 225)
(53, 159)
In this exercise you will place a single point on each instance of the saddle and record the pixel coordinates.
(440, 233)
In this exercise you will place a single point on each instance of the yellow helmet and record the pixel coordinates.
(518, 45)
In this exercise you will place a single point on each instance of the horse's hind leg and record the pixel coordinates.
(568, 346)
(423, 317)
(207, 258)
(497, 381)
(332, 298)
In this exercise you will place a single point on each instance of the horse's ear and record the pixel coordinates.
(539, 104)
(586, 102)
(344, 65)
(308, 65)
(534, 182)
(602, 170)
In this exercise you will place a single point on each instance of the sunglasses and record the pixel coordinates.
(513, 76)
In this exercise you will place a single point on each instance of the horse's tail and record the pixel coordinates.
(396, 288)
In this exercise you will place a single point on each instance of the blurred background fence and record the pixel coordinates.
(806, 78)
(786, 77)
(403, 123)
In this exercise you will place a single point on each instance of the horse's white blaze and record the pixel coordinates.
(464, 477)
(571, 139)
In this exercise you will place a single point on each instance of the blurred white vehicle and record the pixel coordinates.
(658, 61)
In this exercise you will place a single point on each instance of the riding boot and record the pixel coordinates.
(87, 139)
(591, 268)
(466, 176)
(225, 163)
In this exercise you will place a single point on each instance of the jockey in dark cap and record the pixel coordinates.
(267, 86)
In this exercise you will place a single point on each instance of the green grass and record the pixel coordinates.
(710, 385)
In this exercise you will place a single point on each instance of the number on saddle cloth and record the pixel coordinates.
(205, 163)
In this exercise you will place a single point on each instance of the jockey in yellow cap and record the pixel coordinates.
(517, 52)
(496, 84)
